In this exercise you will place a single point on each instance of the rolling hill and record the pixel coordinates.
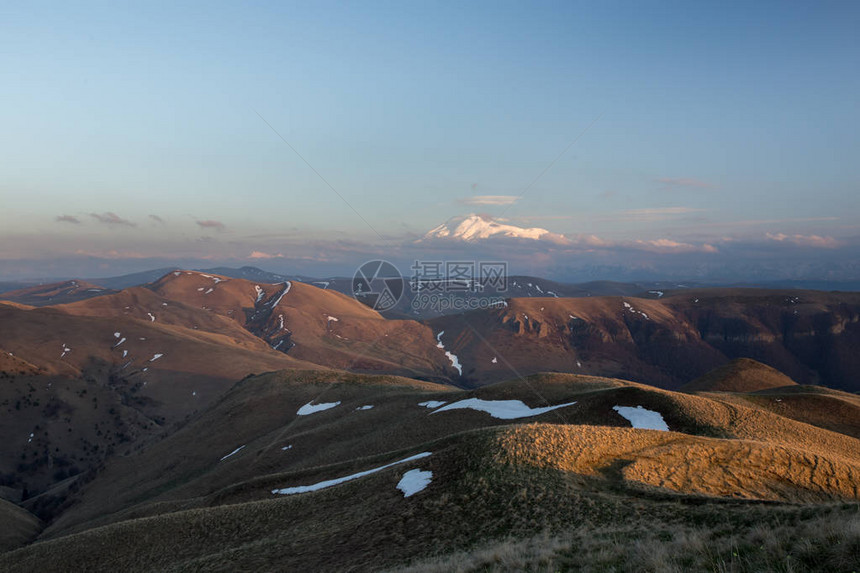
(342, 471)
(55, 293)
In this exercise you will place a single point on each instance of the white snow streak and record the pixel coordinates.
(287, 286)
(455, 362)
(309, 408)
(501, 409)
(338, 481)
(231, 453)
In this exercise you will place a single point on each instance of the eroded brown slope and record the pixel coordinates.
(313, 324)
(810, 336)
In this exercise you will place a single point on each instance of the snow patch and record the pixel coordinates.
(151, 318)
(367, 407)
(642, 419)
(287, 286)
(155, 357)
(288, 447)
(633, 310)
(501, 409)
(309, 408)
(414, 481)
(231, 453)
(260, 293)
(494, 360)
(455, 362)
(432, 404)
(338, 481)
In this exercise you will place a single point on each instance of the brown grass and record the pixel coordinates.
(739, 375)
(829, 542)
(17, 526)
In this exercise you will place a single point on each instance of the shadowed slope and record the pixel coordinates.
(17, 526)
(810, 336)
(55, 293)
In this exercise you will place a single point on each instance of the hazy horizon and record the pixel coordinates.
(657, 140)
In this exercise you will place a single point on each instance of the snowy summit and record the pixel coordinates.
(477, 227)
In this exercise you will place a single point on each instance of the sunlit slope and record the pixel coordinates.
(313, 324)
(740, 375)
(255, 439)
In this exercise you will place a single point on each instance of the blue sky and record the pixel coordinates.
(132, 134)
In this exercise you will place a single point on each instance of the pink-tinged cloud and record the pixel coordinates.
(262, 255)
(685, 182)
(815, 241)
(111, 218)
(670, 246)
(211, 224)
(591, 241)
(68, 219)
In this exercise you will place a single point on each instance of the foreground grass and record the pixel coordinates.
(479, 513)
(826, 543)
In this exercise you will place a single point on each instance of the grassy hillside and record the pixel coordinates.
(728, 475)
(17, 526)
(739, 375)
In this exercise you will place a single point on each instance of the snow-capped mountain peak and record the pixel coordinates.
(477, 227)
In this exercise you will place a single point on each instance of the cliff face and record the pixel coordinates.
(812, 337)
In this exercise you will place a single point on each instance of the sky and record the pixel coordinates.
(716, 140)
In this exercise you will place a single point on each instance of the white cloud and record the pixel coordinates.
(262, 255)
(490, 200)
(816, 241)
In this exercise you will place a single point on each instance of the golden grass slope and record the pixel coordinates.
(739, 375)
(259, 415)
(313, 324)
(181, 505)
